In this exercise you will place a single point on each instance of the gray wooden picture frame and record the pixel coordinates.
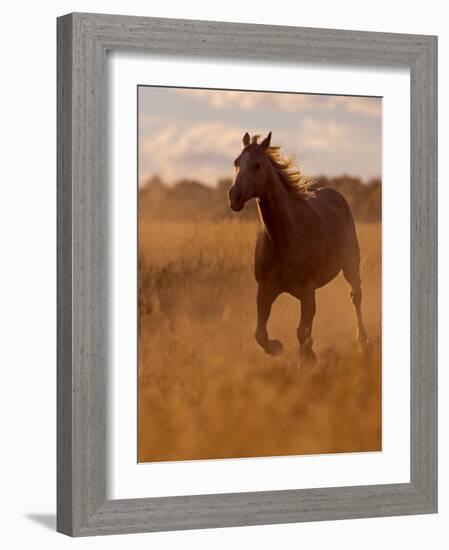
(83, 41)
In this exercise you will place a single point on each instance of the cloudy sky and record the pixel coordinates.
(188, 133)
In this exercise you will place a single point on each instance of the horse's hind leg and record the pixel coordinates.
(351, 273)
(304, 332)
(265, 299)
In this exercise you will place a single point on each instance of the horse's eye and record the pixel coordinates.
(257, 166)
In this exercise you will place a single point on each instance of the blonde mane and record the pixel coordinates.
(289, 173)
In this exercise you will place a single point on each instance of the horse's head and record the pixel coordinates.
(251, 170)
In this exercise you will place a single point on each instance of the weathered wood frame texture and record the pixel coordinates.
(83, 40)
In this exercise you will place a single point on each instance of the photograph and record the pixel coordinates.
(259, 274)
(220, 275)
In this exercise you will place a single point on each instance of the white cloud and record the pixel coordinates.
(205, 151)
(202, 151)
(325, 136)
(369, 106)
(289, 102)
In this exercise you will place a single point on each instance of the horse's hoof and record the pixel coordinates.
(274, 348)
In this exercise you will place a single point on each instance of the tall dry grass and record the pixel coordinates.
(206, 390)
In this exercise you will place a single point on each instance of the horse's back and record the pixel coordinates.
(333, 213)
(330, 206)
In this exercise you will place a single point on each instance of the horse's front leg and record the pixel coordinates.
(304, 333)
(265, 299)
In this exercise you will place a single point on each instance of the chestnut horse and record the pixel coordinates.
(307, 237)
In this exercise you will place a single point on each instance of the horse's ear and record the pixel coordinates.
(246, 139)
(266, 142)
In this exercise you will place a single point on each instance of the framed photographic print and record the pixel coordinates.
(247, 281)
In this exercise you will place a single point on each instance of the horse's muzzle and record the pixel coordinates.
(236, 201)
(236, 207)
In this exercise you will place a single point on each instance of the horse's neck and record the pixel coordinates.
(277, 211)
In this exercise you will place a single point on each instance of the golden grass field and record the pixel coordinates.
(206, 390)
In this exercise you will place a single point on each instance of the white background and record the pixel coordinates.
(27, 284)
(129, 479)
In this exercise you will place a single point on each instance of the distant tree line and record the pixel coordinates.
(192, 200)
